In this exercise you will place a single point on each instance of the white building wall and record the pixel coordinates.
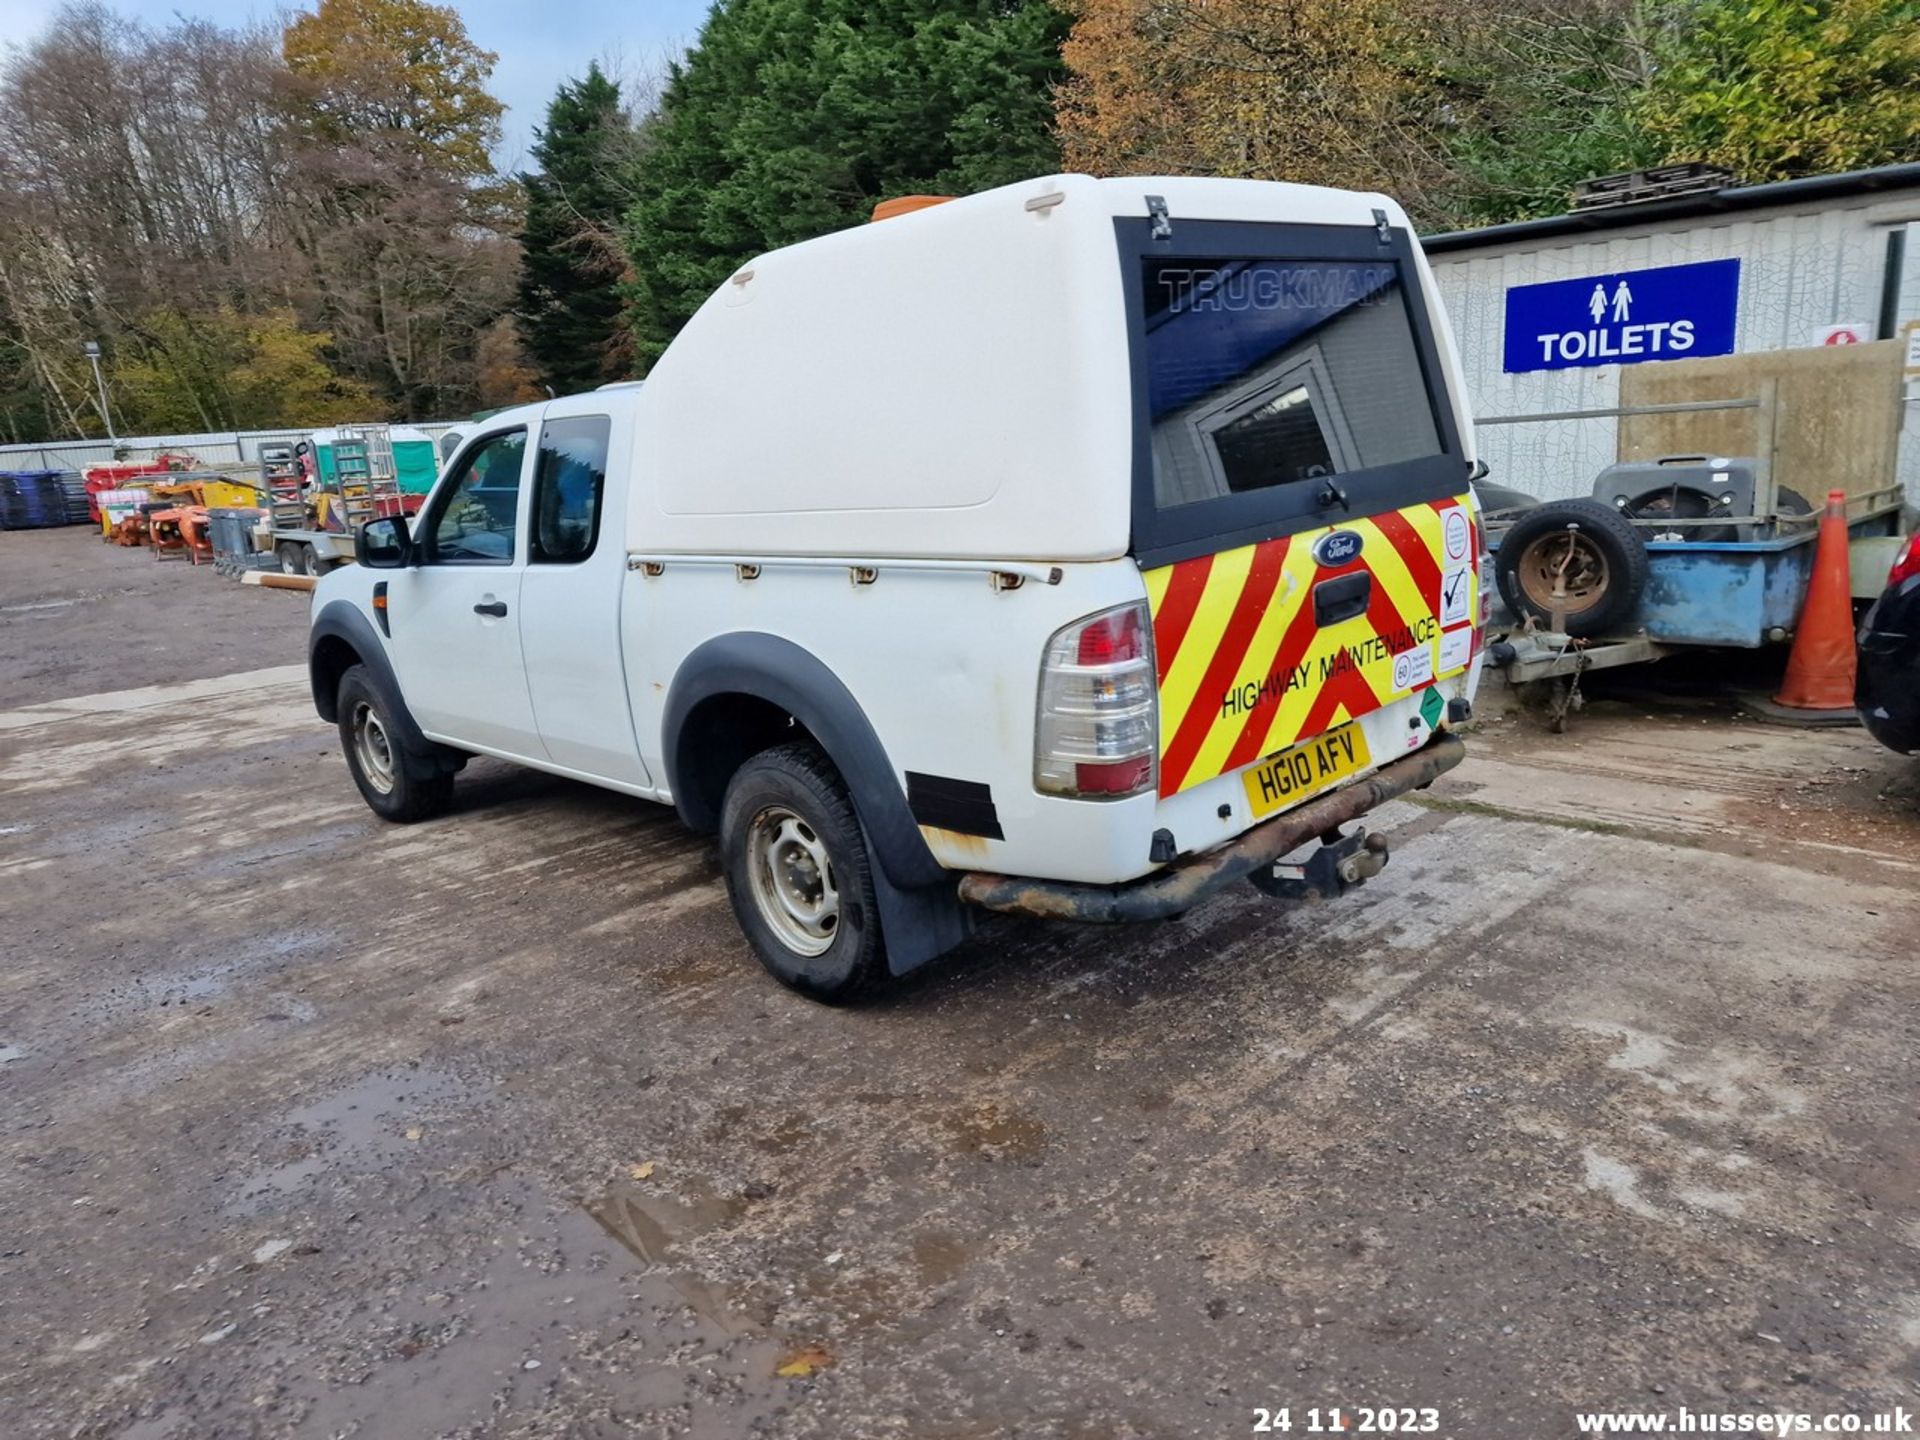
(1801, 268)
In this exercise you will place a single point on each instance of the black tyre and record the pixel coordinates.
(798, 874)
(312, 564)
(289, 554)
(396, 783)
(1788, 501)
(1583, 544)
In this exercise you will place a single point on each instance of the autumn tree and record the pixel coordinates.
(1473, 112)
(223, 370)
(118, 200)
(790, 118)
(1262, 89)
(571, 261)
(404, 223)
(397, 74)
(502, 374)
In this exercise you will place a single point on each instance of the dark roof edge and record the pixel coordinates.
(1680, 207)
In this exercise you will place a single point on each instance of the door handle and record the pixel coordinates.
(1342, 598)
(497, 609)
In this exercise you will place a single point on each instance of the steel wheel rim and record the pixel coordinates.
(1587, 573)
(794, 887)
(289, 563)
(372, 748)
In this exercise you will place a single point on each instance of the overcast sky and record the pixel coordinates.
(539, 44)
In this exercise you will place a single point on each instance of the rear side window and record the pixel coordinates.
(568, 486)
(1266, 372)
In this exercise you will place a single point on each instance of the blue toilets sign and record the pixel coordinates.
(1672, 312)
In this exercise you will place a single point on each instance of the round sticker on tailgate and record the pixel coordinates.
(1456, 534)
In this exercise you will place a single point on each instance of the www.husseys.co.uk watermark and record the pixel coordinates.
(1897, 1421)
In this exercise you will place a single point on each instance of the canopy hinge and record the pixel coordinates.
(1162, 223)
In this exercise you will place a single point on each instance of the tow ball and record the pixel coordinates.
(1341, 863)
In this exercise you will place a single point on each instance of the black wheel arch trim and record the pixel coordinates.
(780, 672)
(919, 903)
(342, 620)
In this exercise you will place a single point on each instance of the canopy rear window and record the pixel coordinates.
(1279, 384)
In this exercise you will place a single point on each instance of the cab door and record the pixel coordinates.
(454, 613)
(570, 594)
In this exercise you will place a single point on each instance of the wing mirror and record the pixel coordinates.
(384, 544)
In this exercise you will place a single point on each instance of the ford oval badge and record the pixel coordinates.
(1337, 547)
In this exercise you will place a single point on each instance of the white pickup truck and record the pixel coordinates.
(1073, 549)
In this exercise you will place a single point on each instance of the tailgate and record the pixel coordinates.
(1262, 646)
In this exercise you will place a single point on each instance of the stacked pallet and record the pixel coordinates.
(41, 499)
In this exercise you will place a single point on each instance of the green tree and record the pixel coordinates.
(1544, 93)
(283, 378)
(1773, 89)
(791, 118)
(571, 264)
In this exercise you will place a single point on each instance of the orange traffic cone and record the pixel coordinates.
(1820, 669)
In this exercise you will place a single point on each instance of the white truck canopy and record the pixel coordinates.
(951, 383)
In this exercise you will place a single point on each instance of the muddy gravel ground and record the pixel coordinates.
(1602, 1095)
(79, 616)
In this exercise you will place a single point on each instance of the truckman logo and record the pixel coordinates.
(1671, 312)
(1337, 547)
(1244, 669)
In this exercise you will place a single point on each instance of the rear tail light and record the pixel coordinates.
(1907, 563)
(1097, 735)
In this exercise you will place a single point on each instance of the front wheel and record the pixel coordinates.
(799, 876)
(396, 783)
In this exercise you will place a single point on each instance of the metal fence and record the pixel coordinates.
(224, 449)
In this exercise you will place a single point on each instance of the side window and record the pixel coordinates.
(475, 520)
(568, 480)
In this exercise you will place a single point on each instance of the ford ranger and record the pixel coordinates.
(1073, 549)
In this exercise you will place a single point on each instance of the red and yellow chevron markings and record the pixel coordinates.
(1243, 669)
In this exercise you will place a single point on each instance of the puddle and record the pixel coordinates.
(651, 1226)
(940, 1256)
(791, 1132)
(993, 1131)
(353, 1130)
(554, 1297)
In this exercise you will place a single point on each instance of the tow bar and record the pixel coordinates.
(1180, 886)
(1340, 864)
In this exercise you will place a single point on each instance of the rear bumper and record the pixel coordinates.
(1185, 883)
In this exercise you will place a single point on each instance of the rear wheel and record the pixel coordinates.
(396, 783)
(798, 874)
(311, 562)
(289, 554)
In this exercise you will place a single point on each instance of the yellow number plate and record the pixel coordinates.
(1306, 769)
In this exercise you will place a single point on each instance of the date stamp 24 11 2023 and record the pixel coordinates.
(1346, 1420)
